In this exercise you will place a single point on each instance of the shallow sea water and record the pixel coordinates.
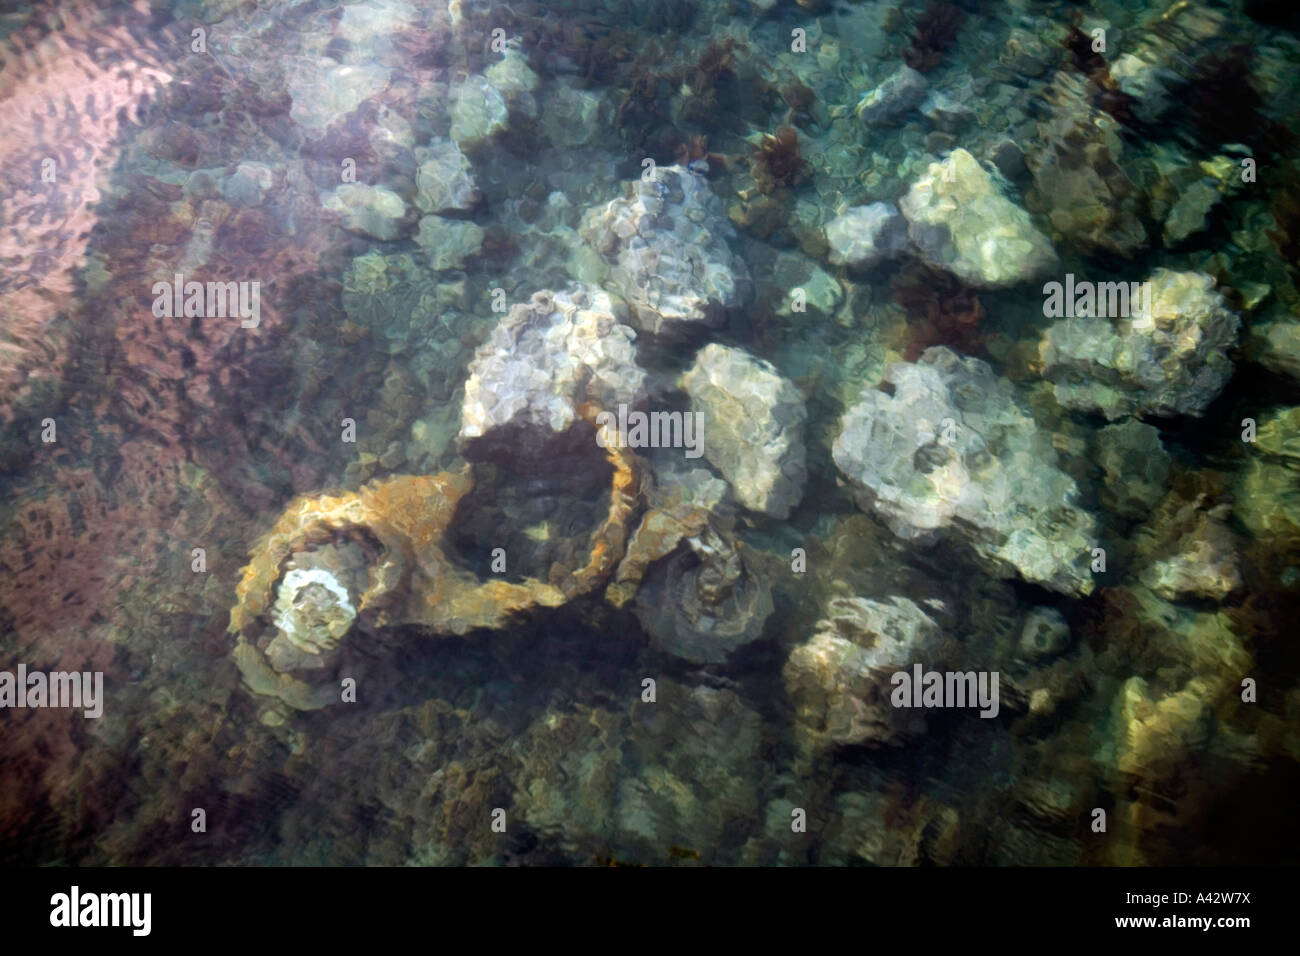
(359, 561)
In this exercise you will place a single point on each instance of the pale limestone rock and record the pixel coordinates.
(547, 357)
(665, 247)
(1168, 359)
(753, 427)
(959, 220)
(952, 449)
(371, 210)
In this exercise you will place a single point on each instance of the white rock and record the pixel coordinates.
(952, 448)
(959, 220)
(665, 246)
(863, 236)
(545, 358)
(373, 210)
(753, 427)
(1169, 360)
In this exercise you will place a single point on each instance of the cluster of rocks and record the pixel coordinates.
(956, 217)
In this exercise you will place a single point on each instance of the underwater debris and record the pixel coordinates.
(412, 578)
(705, 600)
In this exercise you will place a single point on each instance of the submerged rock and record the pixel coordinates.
(753, 427)
(444, 180)
(324, 91)
(950, 447)
(1276, 346)
(839, 680)
(896, 96)
(665, 245)
(547, 357)
(682, 772)
(478, 111)
(1168, 359)
(793, 272)
(959, 220)
(946, 112)
(248, 184)
(1157, 63)
(1079, 181)
(370, 210)
(1188, 215)
(1189, 551)
(448, 242)
(572, 117)
(1044, 634)
(863, 236)
(1136, 467)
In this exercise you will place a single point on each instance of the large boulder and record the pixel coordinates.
(949, 448)
(545, 359)
(1170, 358)
(665, 246)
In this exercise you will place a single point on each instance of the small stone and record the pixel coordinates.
(371, 210)
(863, 236)
(1045, 633)
(895, 97)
